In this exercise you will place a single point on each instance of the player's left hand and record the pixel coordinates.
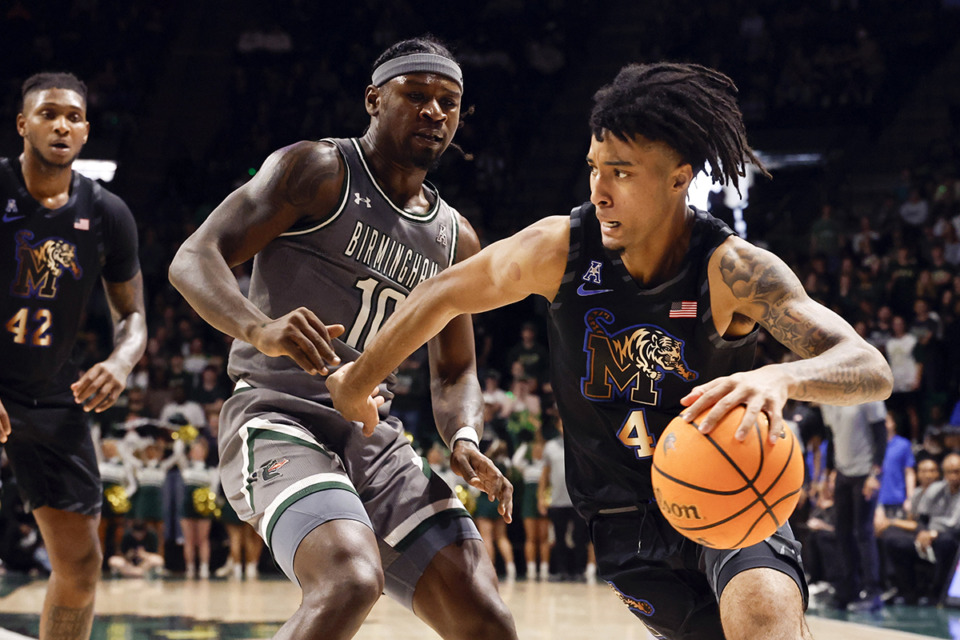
(98, 389)
(870, 487)
(759, 390)
(480, 472)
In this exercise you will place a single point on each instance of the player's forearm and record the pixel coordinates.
(846, 374)
(417, 319)
(456, 405)
(204, 279)
(129, 341)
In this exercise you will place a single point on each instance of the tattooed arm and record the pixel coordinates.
(295, 184)
(750, 285)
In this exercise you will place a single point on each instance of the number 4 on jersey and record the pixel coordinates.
(635, 435)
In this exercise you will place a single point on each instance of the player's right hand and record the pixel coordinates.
(4, 424)
(302, 336)
(353, 404)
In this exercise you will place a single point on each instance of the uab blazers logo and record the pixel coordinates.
(629, 363)
(40, 266)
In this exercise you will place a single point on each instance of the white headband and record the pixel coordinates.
(417, 63)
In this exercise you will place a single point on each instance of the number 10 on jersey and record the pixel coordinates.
(376, 304)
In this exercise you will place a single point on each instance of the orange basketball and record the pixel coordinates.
(723, 493)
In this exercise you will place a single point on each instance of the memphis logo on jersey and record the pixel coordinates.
(630, 362)
(39, 266)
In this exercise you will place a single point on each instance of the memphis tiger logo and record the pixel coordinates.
(637, 605)
(39, 266)
(631, 362)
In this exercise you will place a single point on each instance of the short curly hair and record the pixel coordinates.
(691, 108)
(52, 80)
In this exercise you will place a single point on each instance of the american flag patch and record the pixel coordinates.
(83, 224)
(685, 309)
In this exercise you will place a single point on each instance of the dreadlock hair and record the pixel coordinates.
(691, 108)
(52, 80)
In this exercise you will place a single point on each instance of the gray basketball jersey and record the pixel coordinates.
(351, 268)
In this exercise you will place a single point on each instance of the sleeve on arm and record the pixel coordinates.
(120, 245)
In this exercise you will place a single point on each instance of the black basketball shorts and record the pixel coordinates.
(51, 452)
(672, 584)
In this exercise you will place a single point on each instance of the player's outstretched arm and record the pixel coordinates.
(294, 183)
(837, 366)
(531, 261)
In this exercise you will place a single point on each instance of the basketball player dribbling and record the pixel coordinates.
(654, 308)
(342, 230)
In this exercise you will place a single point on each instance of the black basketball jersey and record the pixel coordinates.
(50, 261)
(622, 356)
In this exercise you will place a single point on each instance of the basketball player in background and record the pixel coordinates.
(341, 231)
(654, 310)
(61, 233)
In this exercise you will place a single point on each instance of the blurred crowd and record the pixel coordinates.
(888, 263)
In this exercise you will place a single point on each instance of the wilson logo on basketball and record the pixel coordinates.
(633, 360)
(682, 511)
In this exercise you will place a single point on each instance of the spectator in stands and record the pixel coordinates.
(936, 539)
(181, 411)
(903, 526)
(531, 355)
(907, 374)
(898, 479)
(569, 552)
(138, 556)
(859, 444)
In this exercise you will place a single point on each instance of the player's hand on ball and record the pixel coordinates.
(300, 335)
(480, 472)
(356, 407)
(758, 390)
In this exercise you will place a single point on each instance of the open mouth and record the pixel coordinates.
(432, 137)
(61, 146)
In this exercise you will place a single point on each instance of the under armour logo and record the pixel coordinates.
(442, 235)
(357, 199)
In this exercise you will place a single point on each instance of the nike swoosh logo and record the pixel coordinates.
(582, 291)
(9, 218)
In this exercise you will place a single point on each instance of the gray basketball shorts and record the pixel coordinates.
(288, 465)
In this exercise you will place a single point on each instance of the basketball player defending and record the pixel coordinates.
(654, 309)
(342, 230)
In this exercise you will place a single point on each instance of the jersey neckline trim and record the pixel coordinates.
(17, 172)
(426, 217)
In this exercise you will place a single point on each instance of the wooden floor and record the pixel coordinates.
(133, 609)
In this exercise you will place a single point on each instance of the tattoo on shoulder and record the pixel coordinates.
(759, 279)
(302, 175)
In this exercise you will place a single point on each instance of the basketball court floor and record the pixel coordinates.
(177, 609)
